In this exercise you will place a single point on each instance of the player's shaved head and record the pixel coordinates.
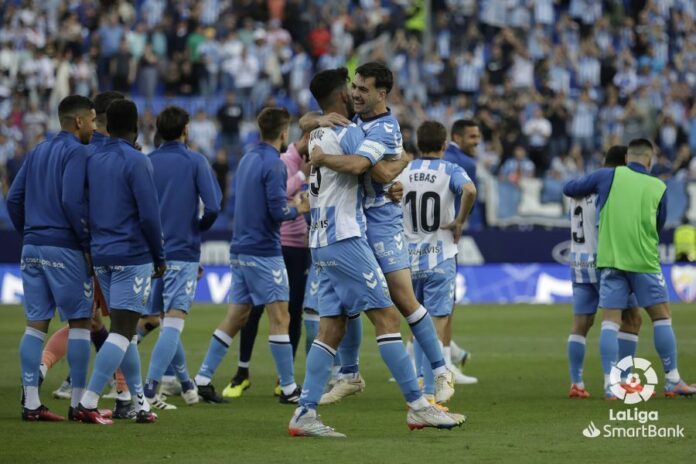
(76, 115)
(122, 120)
(102, 102)
(326, 84)
(640, 148)
(616, 156)
(71, 107)
(432, 137)
(172, 122)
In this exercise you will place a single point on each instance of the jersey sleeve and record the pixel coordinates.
(74, 199)
(209, 192)
(458, 179)
(277, 194)
(147, 201)
(352, 139)
(382, 140)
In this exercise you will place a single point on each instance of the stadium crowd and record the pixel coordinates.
(552, 82)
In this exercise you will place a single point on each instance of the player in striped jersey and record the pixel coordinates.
(585, 278)
(431, 187)
(350, 279)
(371, 86)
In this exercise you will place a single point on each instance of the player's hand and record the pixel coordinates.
(302, 203)
(456, 227)
(396, 192)
(159, 270)
(200, 272)
(317, 157)
(332, 120)
(302, 145)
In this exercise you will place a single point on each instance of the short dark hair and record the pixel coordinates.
(122, 117)
(616, 156)
(326, 82)
(460, 125)
(431, 137)
(640, 147)
(104, 99)
(384, 79)
(70, 105)
(171, 123)
(272, 121)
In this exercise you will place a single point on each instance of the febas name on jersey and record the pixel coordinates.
(583, 243)
(431, 187)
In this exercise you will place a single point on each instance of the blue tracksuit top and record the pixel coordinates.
(260, 203)
(46, 202)
(182, 177)
(124, 217)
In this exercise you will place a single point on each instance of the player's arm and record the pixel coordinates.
(145, 194)
(209, 192)
(74, 199)
(662, 212)
(346, 164)
(461, 185)
(277, 195)
(314, 120)
(15, 198)
(387, 170)
(587, 185)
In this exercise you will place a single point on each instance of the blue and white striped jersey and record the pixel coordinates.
(431, 187)
(583, 240)
(382, 140)
(336, 199)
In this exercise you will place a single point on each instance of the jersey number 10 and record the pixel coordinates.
(426, 200)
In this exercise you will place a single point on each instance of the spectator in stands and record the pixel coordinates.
(517, 167)
(583, 124)
(538, 132)
(122, 68)
(203, 134)
(229, 117)
(221, 169)
(662, 167)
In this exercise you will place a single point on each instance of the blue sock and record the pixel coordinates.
(424, 332)
(319, 361)
(219, 344)
(163, 353)
(349, 349)
(608, 346)
(170, 372)
(392, 350)
(79, 349)
(423, 368)
(108, 359)
(30, 348)
(628, 343)
(281, 349)
(666, 345)
(130, 366)
(576, 357)
(311, 323)
(178, 367)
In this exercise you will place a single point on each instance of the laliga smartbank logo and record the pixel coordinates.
(638, 387)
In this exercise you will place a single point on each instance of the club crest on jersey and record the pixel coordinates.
(684, 282)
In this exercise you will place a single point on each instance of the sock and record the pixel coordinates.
(56, 347)
(319, 361)
(457, 351)
(349, 349)
(608, 346)
(178, 366)
(98, 337)
(628, 343)
(576, 358)
(447, 354)
(219, 344)
(424, 332)
(43, 368)
(131, 371)
(411, 354)
(29, 358)
(78, 360)
(163, 353)
(666, 347)
(311, 323)
(121, 386)
(423, 368)
(105, 364)
(281, 349)
(392, 350)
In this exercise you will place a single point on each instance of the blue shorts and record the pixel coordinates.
(55, 277)
(311, 289)
(385, 234)
(586, 299)
(434, 288)
(616, 285)
(126, 287)
(176, 289)
(350, 279)
(258, 280)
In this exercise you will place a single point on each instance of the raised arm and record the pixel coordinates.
(314, 120)
(586, 185)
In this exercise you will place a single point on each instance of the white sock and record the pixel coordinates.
(673, 376)
(123, 395)
(289, 389)
(202, 381)
(168, 378)
(89, 400)
(606, 380)
(447, 354)
(420, 403)
(580, 385)
(456, 350)
(76, 396)
(440, 370)
(44, 369)
(31, 397)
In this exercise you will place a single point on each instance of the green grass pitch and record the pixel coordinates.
(518, 412)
